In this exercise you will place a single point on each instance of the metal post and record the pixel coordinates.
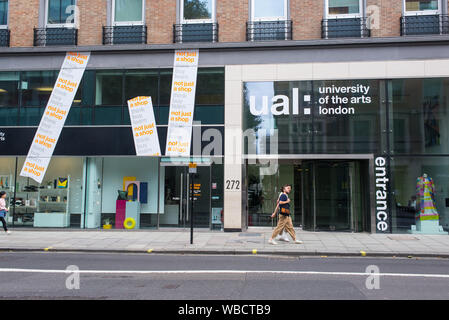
(191, 208)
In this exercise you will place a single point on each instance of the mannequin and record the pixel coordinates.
(425, 191)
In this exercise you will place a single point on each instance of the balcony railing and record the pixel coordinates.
(345, 28)
(424, 24)
(269, 30)
(125, 35)
(4, 37)
(55, 36)
(195, 32)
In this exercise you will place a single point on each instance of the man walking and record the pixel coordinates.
(285, 220)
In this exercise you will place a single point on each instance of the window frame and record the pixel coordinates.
(271, 18)
(187, 21)
(5, 26)
(343, 16)
(59, 25)
(127, 23)
(421, 12)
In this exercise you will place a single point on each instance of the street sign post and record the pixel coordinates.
(192, 172)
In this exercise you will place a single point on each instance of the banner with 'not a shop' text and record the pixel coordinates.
(182, 103)
(55, 114)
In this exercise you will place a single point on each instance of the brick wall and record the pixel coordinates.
(23, 17)
(160, 17)
(93, 14)
(306, 16)
(232, 16)
(390, 15)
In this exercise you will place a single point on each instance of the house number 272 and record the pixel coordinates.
(232, 185)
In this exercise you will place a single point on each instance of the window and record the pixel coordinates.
(268, 10)
(422, 6)
(60, 12)
(197, 10)
(126, 12)
(344, 7)
(3, 12)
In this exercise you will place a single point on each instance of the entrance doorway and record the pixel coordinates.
(177, 200)
(327, 195)
(334, 195)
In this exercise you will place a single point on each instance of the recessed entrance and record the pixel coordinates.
(334, 195)
(327, 195)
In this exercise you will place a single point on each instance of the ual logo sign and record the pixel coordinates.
(330, 100)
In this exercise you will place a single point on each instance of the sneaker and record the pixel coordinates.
(272, 242)
(284, 239)
(8, 232)
(298, 241)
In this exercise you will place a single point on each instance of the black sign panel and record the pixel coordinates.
(86, 141)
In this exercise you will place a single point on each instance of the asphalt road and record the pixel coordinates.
(205, 277)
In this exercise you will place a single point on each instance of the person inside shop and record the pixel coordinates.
(3, 211)
(285, 220)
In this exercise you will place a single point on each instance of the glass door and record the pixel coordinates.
(328, 203)
(177, 200)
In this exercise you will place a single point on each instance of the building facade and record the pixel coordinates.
(346, 100)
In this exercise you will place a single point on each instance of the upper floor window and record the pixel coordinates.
(197, 10)
(3, 12)
(126, 12)
(61, 12)
(269, 10)
(416, 7)
(344, 8)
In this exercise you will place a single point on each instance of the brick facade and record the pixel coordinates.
(306, 16)
(160, 17)
(93, 14)
(232, 16)
(390, 15)
(23, 17)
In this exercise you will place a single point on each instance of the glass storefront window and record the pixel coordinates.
(419, 114)
(198, 9)
(57, 11)
(9, 98)
(57, 202)
(36, 90)
(108, 98)
(408, 198)
(337, 7)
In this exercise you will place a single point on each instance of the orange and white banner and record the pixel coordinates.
(55, 114)
(182, 103)
(143, 125)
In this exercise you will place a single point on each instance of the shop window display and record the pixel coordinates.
(421, 194)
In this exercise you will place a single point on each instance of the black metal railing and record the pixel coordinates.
(125, 35)
(345, 28)
(55, 36)
(269, 30)
(424, 24)
(195, 32)
(4, 37)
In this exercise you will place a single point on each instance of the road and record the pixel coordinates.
(206, 277)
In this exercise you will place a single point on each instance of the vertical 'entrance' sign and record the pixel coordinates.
(144, 126)
(182, 103)
(55, 114)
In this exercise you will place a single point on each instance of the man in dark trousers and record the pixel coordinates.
(285, 220)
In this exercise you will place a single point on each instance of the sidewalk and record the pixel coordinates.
(253, 241)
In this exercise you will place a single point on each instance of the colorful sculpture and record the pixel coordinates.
(425, 190)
